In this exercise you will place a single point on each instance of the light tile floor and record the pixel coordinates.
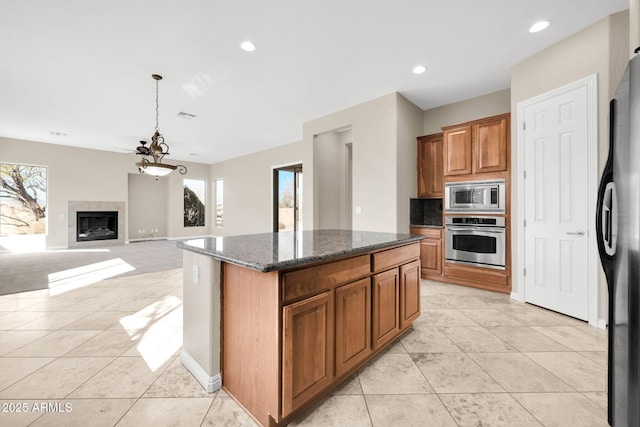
(107, 354)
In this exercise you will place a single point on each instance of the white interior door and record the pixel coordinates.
(556, 184)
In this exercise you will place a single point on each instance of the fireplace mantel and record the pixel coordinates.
(75, 206)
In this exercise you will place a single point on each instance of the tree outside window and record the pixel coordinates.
(23, 199)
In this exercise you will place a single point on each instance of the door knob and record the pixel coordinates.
(576, 233)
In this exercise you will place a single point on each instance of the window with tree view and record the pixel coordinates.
(194, 203)
(23, 199)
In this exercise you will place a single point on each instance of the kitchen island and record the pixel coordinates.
(280, 319)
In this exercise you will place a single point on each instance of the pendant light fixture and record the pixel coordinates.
(151, 163)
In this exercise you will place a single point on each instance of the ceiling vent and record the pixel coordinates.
(186, 115)
(54, 133)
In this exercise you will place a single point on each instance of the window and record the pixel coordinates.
(219, 204)
(287, 195)
(194, 202)
(23, 199)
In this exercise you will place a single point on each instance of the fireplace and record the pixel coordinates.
(96, 225)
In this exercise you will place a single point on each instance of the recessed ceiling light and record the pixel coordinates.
(539, 26)
(248, 46)
(419, 69)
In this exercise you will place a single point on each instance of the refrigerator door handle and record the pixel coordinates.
(610, 219)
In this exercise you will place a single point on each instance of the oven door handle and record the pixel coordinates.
(484, 230)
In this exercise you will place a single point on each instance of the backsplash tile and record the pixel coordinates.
(425, 212)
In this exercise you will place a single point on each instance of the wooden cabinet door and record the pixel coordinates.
(430, 174)
(491, 145)
(353, 324)
(409, 293)
(457, 150)
(307, 350)
(431, 256)
(385, 307)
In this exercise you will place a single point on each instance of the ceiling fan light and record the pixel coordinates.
(157, 150)
(157, 169)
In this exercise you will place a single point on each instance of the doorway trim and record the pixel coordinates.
(274, 191)
(591, 84)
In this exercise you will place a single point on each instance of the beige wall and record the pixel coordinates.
(619, 41)
(248, 191)
(596, 49)
(328, 161)
(73, 174)
(383, 137)
(374, 131)
(346, 207)
(91, 175)
(409, 127)
(634, 27)
(148, 206)
(487, 105)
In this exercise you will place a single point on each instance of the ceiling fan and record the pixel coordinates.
(142, 149)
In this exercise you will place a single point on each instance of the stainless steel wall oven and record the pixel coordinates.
(476, 240)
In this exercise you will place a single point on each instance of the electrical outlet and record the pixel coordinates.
(139, 231)
(143, 231)
(358, 210)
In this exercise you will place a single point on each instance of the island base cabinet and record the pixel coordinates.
(409, 293)
(307, 350)
(353, 325)
(291, 336)
(386, 323)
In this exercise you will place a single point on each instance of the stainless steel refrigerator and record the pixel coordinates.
(618, 231)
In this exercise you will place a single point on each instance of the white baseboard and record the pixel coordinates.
(516, 296)
(210, 384)
(147, 239)
(602, 324)
(190, 237)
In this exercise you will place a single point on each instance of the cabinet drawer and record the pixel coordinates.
(310, 280)
(477, 275)
(394, 257)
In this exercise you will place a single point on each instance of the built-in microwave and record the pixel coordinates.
(475, 196)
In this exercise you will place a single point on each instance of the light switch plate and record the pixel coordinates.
(196, 275)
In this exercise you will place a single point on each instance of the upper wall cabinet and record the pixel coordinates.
(430, 174)
(477, 147)
(457, 150)
(490, 152)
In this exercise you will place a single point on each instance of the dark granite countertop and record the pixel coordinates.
(286, 249)
(425, 226)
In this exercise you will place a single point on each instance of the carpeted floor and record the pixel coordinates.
(22, 272)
